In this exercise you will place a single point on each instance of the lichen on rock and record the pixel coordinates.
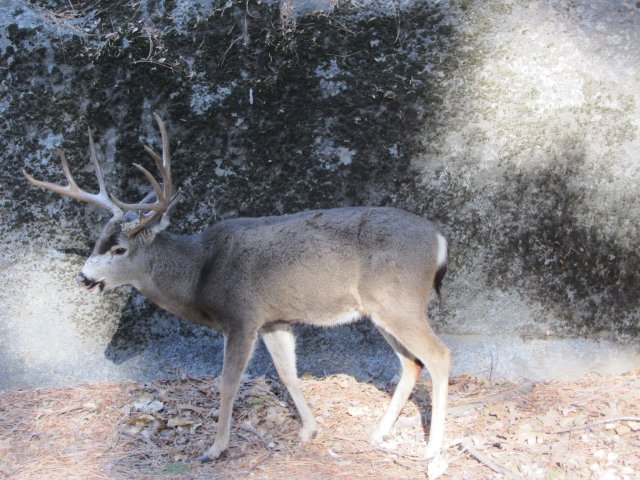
(513, 125)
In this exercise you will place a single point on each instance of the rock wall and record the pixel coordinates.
(512, 124)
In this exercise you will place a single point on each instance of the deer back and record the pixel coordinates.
(322, 266)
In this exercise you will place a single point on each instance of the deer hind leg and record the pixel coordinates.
(411, 369)
(281, 344)
(415, 335)
(238, 347)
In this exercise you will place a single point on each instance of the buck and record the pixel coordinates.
(246, 276)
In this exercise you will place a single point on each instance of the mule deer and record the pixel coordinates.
(248, 275)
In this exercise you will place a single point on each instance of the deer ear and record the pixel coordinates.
(165, 219)
(161, 224)
(153, 228)
(132, 216)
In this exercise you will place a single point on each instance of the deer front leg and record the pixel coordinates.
(238, 347)
(281, 344)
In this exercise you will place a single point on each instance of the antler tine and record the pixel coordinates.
(72, 190)
(165, 171)
(164, 195)
(161, 200)
(69, 190)
(96, 165)
(67, 170)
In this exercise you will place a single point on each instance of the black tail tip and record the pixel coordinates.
(437, 284)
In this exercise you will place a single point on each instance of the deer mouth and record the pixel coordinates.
(96, 287)
(92, 286)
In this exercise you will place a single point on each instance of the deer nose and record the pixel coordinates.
(82, 280)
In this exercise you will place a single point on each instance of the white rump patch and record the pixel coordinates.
(442, 250)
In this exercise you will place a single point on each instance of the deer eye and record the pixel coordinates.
(119, 251)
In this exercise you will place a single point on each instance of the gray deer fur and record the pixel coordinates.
(247, 276)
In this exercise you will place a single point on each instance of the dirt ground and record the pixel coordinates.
(495, 429)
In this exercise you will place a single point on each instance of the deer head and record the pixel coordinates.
(117, 256)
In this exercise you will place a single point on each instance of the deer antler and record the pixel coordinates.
(164, 195)
(72, 190)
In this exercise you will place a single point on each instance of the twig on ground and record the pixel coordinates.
(413, 458)
(260, 461)
(252, 431)
(593, 424)
(465, 445)
(269, 392)
(90, 407)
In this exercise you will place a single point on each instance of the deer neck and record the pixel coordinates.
(169, 273)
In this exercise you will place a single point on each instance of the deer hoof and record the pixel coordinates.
(212, 455)
(377, 437)
(307, 434)
(431, 451)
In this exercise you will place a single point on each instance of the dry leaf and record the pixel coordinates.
(355, 411)
(133, 430)
(514, 413)
(635, 426)
(495, 410)
(532, 470)
(612, 409)
(529, 436)
(497, 425)
(259, 400)
(141, 419)
(90, 406)
(622, 429)
(148, 405)
(587, 438)
(332, 454)
(576, 421)
(198, 410)
(550, 418)
(470, 387)
(178, 422)
(275, 416)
